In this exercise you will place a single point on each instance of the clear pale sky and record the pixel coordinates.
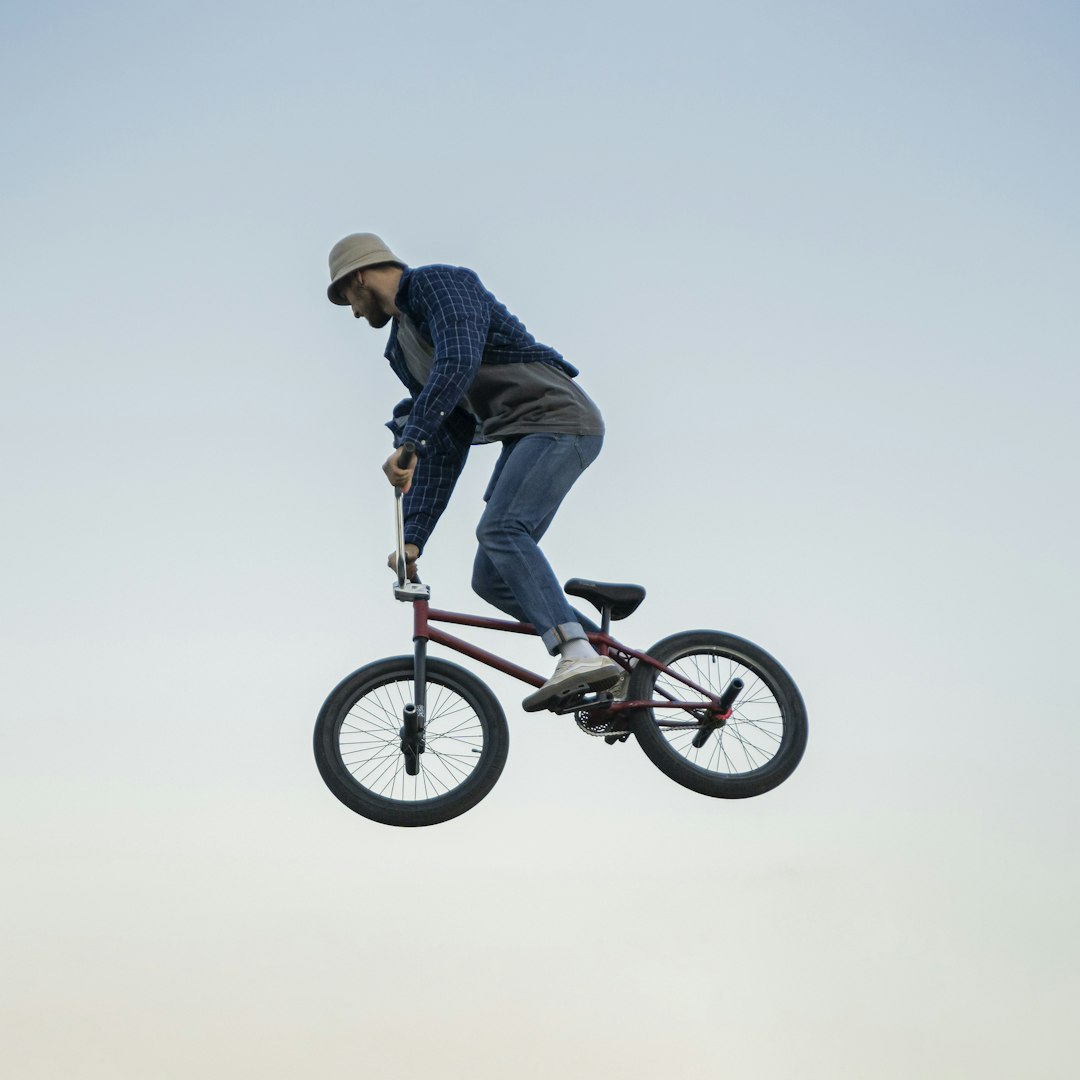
(817, 263)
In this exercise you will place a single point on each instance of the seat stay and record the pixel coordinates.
(605, 642)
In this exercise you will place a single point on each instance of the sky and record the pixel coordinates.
(817, 264)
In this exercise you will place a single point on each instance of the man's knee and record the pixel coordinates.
(499, 534)
(481, 584)
(484, 580)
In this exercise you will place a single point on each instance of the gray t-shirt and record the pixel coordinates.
(511, 399)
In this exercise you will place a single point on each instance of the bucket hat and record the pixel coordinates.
(354, 253)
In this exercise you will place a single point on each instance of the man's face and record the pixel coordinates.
(363, 302)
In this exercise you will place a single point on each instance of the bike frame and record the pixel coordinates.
(423, 632)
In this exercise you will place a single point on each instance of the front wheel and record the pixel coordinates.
(757, 748)
(358, 743)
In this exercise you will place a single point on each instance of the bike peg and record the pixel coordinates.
(727, 698)
(723, 707)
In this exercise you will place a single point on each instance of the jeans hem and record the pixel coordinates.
(559, 635)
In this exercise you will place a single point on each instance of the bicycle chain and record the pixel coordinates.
(601, 728)
(597, 728)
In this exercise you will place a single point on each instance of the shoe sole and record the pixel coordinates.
(582, 686)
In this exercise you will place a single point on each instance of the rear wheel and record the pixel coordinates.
(756, 749)
(358, 743)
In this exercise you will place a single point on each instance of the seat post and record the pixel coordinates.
(605, 619)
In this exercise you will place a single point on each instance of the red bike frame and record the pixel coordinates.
(423, 632)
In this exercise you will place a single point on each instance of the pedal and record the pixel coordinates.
(576, 701)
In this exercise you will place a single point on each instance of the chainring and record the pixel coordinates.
(600, 722)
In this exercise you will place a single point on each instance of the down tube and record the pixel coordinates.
(485, 657)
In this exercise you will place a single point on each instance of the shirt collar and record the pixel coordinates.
(401, 297)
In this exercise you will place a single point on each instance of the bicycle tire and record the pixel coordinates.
(769, 744)
(357, 745)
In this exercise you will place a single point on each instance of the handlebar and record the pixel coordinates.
(405, 459)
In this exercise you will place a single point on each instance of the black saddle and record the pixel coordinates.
(623, 600)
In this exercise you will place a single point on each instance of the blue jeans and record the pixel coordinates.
(530, 481)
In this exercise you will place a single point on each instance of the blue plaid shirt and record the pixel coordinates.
(467, 326)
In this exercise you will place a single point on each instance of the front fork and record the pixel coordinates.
(414, 715)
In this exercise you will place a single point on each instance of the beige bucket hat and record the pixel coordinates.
(354, 253)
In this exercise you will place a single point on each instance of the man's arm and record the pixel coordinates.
(433, 483)
(430, 486)
(457, 310)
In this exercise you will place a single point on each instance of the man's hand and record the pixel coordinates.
(400, 478)
(412, 553)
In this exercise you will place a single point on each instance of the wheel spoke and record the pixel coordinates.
(754, 733)
(369, 741)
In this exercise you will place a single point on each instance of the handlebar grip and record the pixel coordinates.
(408, 452)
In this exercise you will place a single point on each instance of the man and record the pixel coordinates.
(475, 374)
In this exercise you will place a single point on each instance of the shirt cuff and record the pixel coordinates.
(417, 438)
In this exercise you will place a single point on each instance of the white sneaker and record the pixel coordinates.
(574, 677)
(621, 690)
(618, 691)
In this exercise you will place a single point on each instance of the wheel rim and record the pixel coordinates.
(369, 742)
(750, 739)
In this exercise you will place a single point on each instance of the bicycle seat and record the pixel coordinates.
(623, 600)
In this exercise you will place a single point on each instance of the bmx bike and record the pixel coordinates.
(412, 740)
